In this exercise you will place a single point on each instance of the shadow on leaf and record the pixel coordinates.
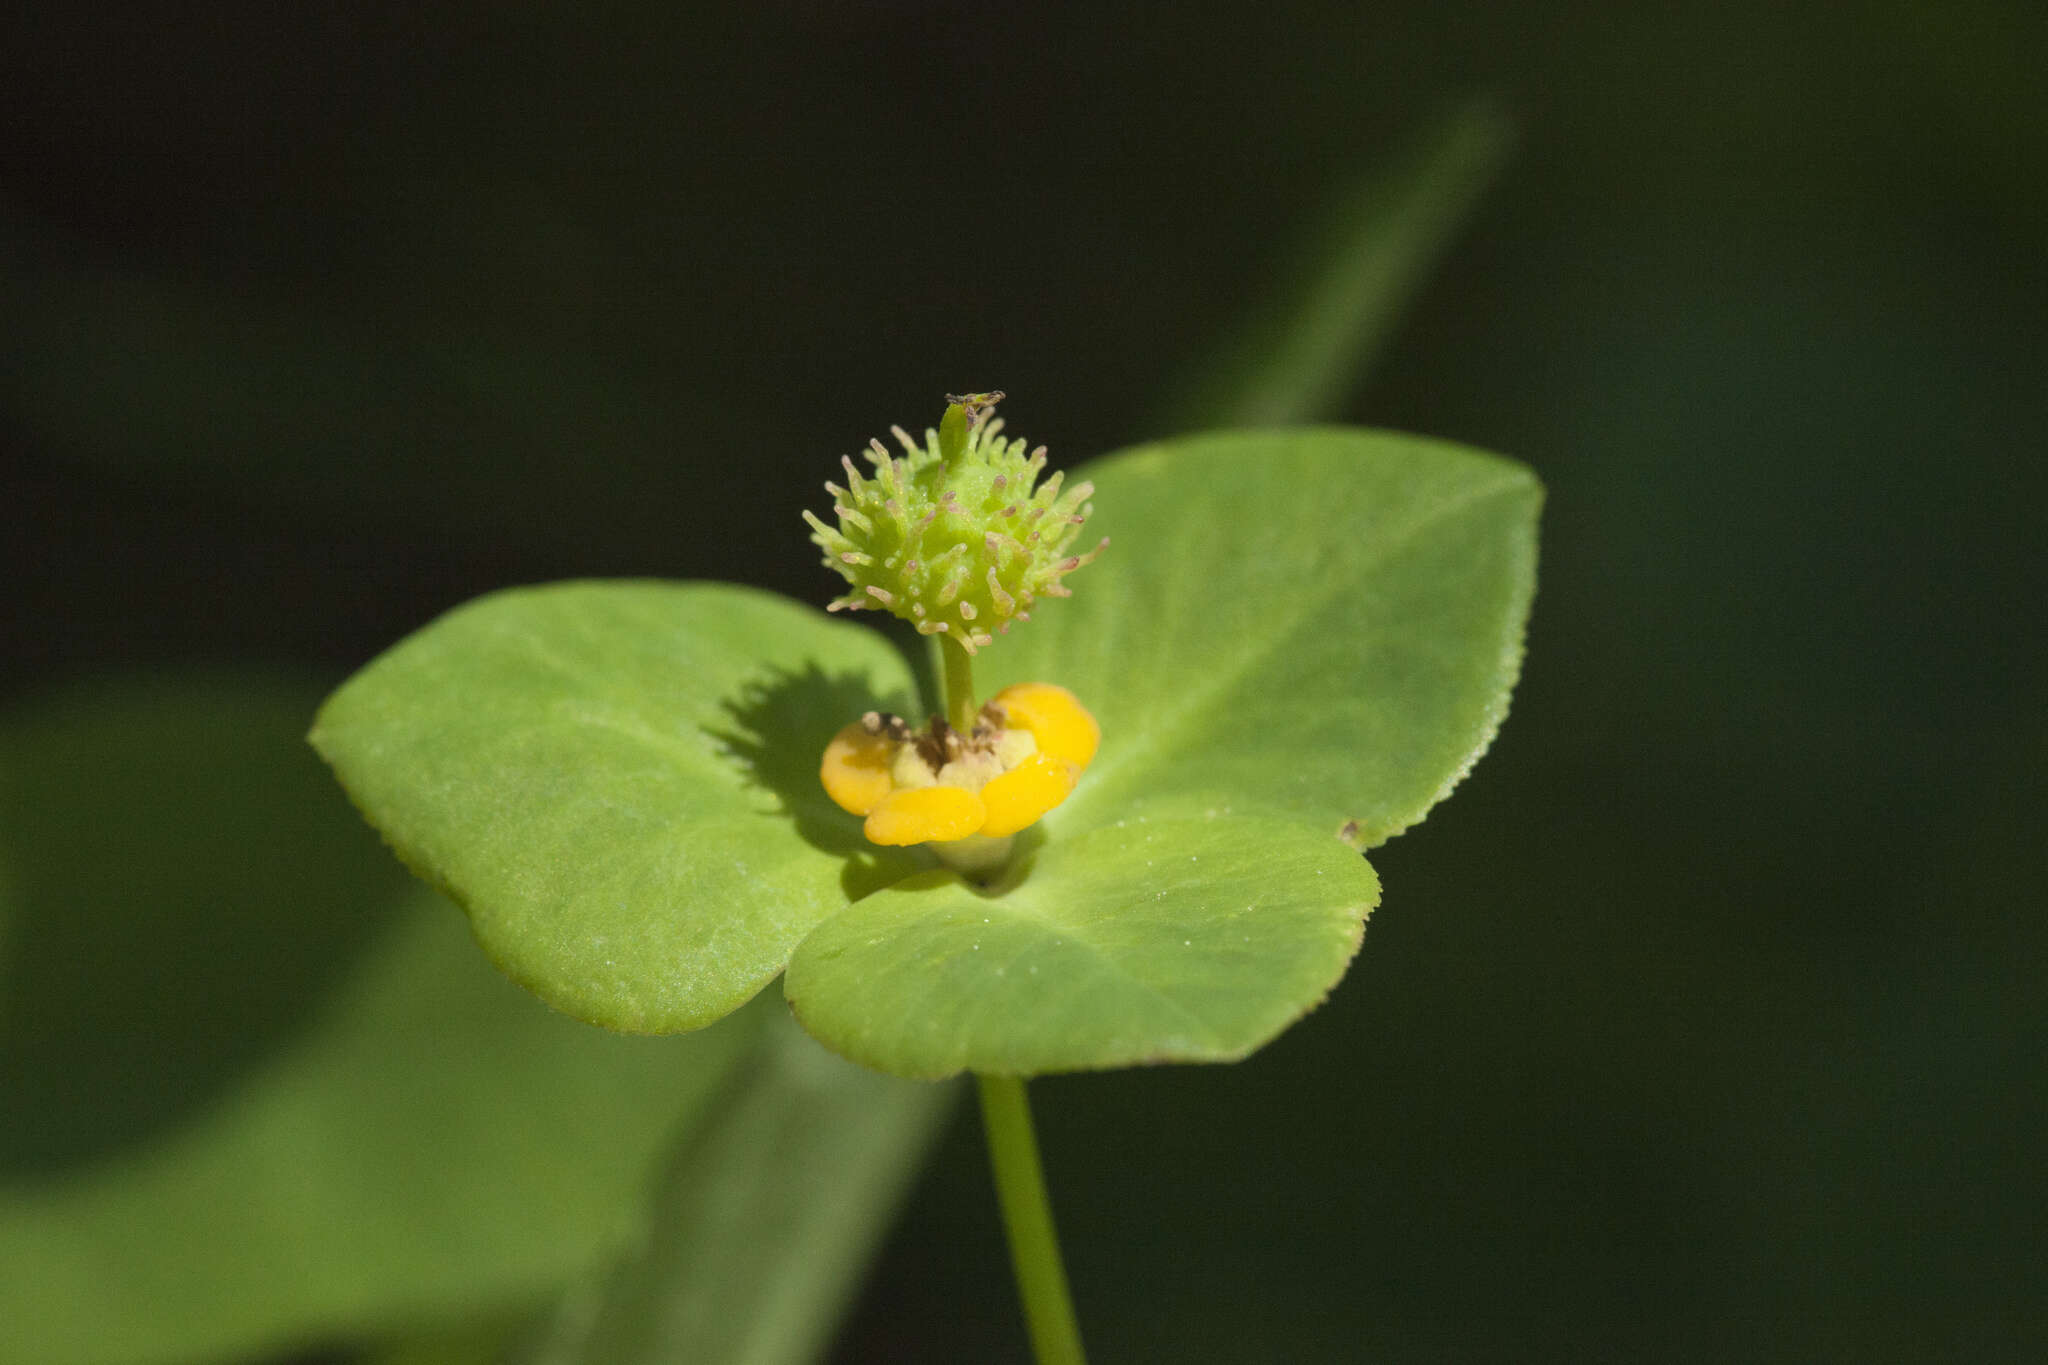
(780, 725)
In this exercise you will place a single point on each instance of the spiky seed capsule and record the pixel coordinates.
(957, 527)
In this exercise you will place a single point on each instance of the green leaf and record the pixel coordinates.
(1303, 354)
(408, 1138)
(1193, 939)
(754, 1243)
(1295, 636)
(1320, 624)
(619, 782)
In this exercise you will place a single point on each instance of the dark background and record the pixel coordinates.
(1706, 1022)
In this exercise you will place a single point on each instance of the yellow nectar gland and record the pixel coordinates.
(937, 785)
(955, 535)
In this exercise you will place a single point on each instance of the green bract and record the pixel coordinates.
(955, 536)
(1305, 639)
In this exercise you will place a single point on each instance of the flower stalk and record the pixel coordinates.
(1027, 1222)
(956, 667)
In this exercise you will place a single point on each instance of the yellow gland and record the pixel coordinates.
(856, 769)
(1017, 798)
(1028, 748)
(1055, 718)
(925, 815)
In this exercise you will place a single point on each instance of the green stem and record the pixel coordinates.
(958, 667)
(1027, 1218)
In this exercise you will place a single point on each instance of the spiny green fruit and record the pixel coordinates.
(956, 535)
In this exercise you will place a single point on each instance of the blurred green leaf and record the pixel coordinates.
(149, 963)
(406, 1136)
(756, 1240)
(619, 782)
(439, 1142)
(1315, 335)
(482, 1342)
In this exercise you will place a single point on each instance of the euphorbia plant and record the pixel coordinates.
(1134, 837)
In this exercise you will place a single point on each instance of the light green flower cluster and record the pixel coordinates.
(956, 535)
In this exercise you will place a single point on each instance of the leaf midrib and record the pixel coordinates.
(1027, 911)
(1046, 923)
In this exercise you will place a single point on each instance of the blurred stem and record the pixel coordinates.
(1300, 356)
(959, 671)
(1027, 1219)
